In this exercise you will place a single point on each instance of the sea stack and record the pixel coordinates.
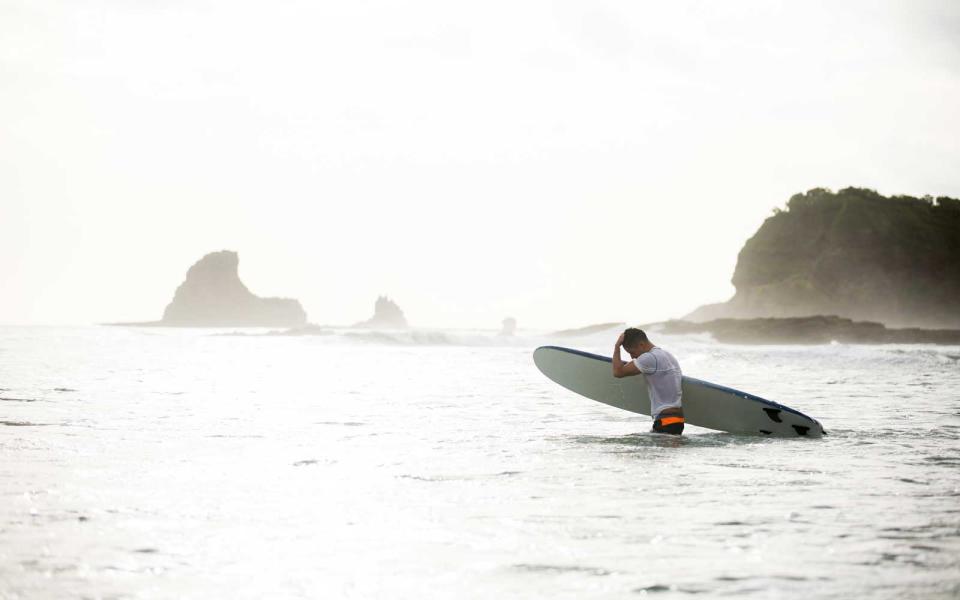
(212, 295)
(509, 327)
(386, 315)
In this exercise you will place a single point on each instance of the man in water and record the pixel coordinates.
(662, 373)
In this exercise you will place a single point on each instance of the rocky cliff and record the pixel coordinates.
(212, 295)
(853, 253)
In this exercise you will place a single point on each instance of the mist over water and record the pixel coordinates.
(159, 463)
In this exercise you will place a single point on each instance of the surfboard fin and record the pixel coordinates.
(774, 414)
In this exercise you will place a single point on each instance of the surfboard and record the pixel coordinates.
(705, 404)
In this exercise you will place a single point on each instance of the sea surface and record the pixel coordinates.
(161, 463)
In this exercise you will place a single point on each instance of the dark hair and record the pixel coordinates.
(634, 336)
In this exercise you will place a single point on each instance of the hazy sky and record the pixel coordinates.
(561, 162)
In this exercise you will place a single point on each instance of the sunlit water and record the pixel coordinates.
(153, 463)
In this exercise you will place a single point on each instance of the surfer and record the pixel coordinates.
(662, 374)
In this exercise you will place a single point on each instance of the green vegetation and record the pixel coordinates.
(853, 253)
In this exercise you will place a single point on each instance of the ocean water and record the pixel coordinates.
(153, 463)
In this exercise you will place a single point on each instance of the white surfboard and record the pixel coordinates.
(705, 404)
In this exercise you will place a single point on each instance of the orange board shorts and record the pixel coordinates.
(669, 424)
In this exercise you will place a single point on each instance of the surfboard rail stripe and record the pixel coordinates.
(708, 384)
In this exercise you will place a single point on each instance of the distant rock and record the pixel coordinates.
(853, 253)
(589, 329)
(509, 327)
(386, 315)
(810, 330)
(212, 295)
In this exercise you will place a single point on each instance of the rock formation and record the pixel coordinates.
(213, 296)
(386, 315)
(509, 327)
(810, 330)
(855, 254)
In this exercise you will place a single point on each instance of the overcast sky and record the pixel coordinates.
(561, 162)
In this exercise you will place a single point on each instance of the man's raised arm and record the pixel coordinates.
(620, 368)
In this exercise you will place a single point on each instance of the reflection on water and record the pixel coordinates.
(635, 440)
(176, 463)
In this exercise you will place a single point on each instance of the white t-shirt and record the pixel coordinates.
(663, 375)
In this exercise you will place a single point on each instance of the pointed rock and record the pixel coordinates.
(386, 315)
